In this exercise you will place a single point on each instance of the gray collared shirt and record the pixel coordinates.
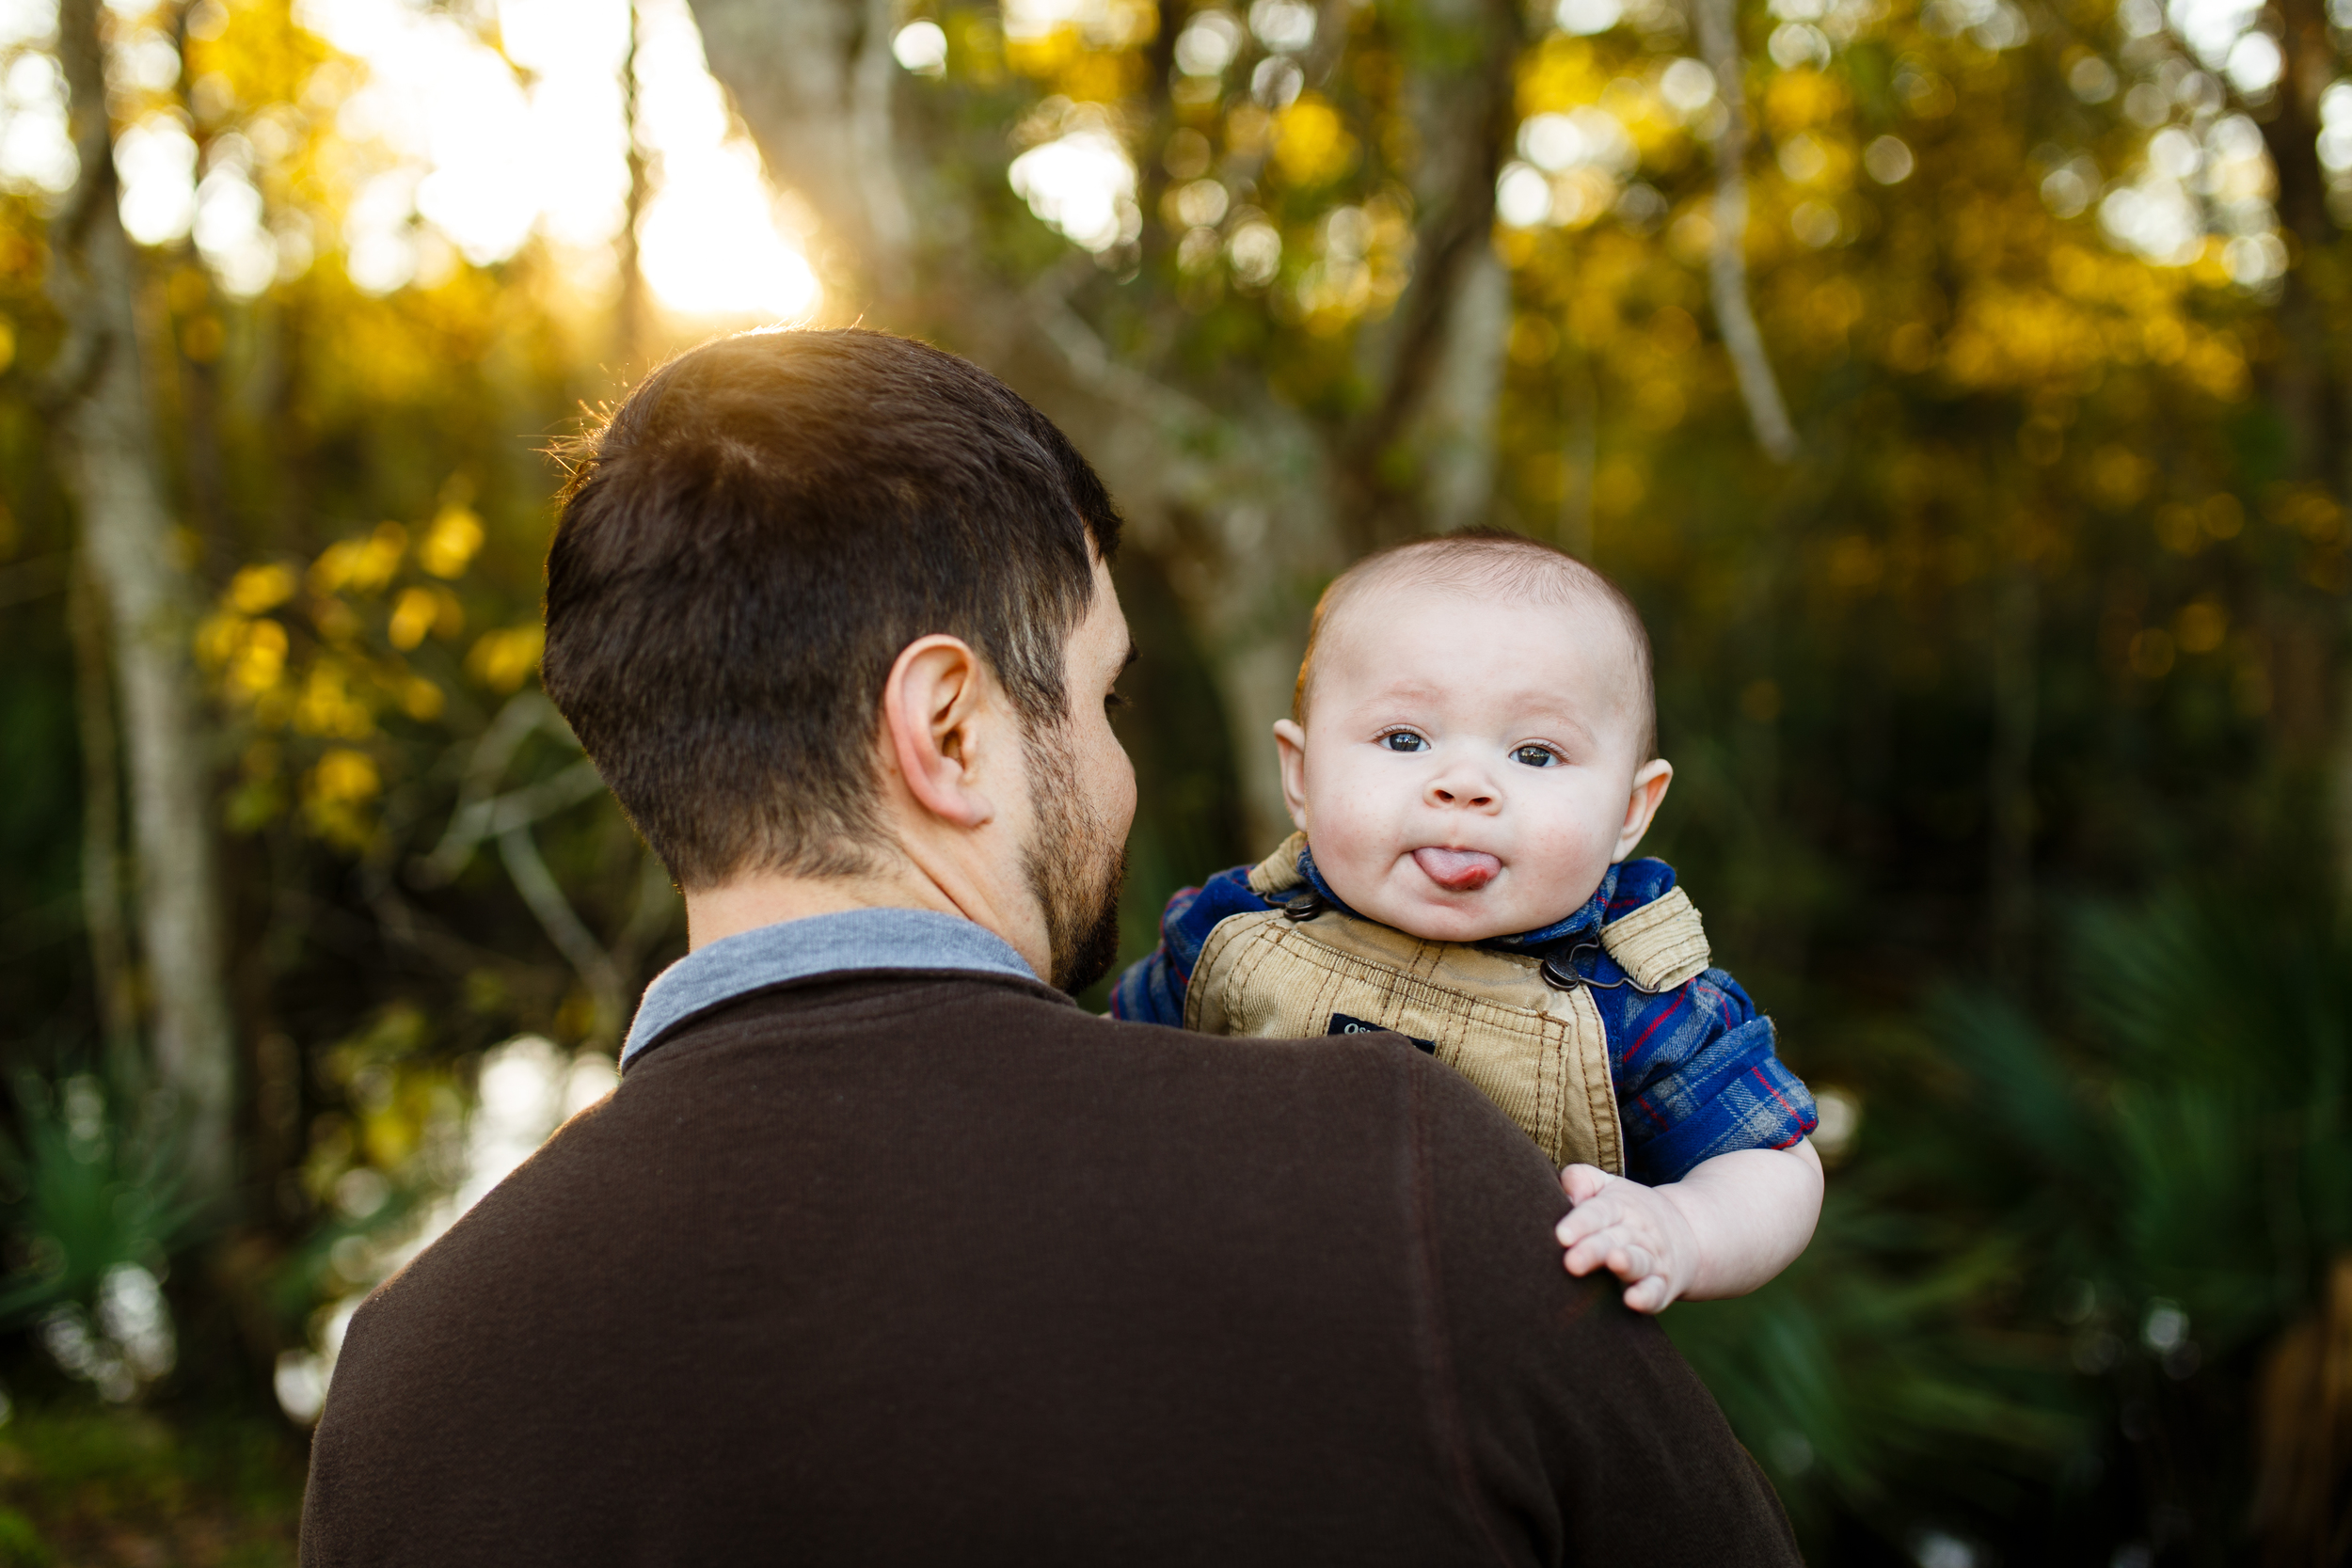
(777, 955)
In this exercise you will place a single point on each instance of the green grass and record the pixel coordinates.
(87, 1486)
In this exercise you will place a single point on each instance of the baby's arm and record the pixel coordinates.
(1733, 1223)
(1153, 989)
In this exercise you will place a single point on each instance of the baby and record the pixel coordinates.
(1471, 758)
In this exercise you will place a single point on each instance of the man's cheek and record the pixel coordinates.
(1117, 771)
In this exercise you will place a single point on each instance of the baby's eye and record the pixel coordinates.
(1404, 741)
(1536, 757)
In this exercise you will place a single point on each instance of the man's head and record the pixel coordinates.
(781, 536)
(1472, 739)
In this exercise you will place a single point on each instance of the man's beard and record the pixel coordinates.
(1076, 865)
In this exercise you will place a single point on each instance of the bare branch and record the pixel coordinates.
(477, 816)
(473, 823)
(484, 812)
(563, 926)
(629, 309)
(1728, 266)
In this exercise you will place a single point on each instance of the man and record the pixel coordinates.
(882, 1251)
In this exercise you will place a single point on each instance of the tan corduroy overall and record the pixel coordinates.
(1528, 1035)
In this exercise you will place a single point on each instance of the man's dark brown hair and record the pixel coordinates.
(746, 545)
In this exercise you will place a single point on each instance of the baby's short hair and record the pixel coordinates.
(1492, 563)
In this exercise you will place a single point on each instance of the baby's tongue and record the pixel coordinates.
(1458, 870)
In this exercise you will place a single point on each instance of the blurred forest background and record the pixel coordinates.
(1963, 387)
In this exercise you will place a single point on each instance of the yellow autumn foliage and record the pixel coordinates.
(360, 565)
(1558, 74)
(449, 545)
(1310, 145)
(257, 589)
(504, 659)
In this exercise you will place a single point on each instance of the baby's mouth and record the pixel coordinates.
(1458, 870)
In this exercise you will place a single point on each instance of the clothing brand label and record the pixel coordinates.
(1342, 1025)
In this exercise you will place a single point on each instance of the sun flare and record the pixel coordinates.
(480, 142)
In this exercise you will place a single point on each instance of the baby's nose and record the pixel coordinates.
(1461, 793)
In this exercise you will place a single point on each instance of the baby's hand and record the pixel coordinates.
(1635, 1232)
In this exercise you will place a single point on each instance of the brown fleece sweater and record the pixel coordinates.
(933, 1269)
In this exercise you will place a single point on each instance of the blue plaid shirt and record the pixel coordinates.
(1694, 1069)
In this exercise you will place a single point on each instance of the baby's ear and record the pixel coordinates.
(1290, 741)
(1649, 789)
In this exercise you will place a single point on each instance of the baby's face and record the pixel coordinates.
(1468, 769)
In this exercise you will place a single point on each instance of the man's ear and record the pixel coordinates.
(1649, 790)
(937, 688)
(1291, 742)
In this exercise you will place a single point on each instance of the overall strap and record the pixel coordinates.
(1660, 946)
(1279, 873)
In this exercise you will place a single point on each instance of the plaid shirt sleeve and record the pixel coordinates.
(1694, 1066)
(1695, 1071)
(1698, 1077)
(1153, 989)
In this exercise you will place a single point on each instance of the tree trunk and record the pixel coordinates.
(814, 81)
(1459, 427)
(1579, 448)
(1445, 340)
(2009, 772)
(102, 818)
(2298, 379)
(2310, 378)
(106, 431)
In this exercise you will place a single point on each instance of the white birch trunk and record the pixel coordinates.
(105, 433)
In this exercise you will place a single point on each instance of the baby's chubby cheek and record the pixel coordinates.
(1559, 869)
(1355, 849)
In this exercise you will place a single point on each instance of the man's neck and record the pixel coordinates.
(769, 898)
